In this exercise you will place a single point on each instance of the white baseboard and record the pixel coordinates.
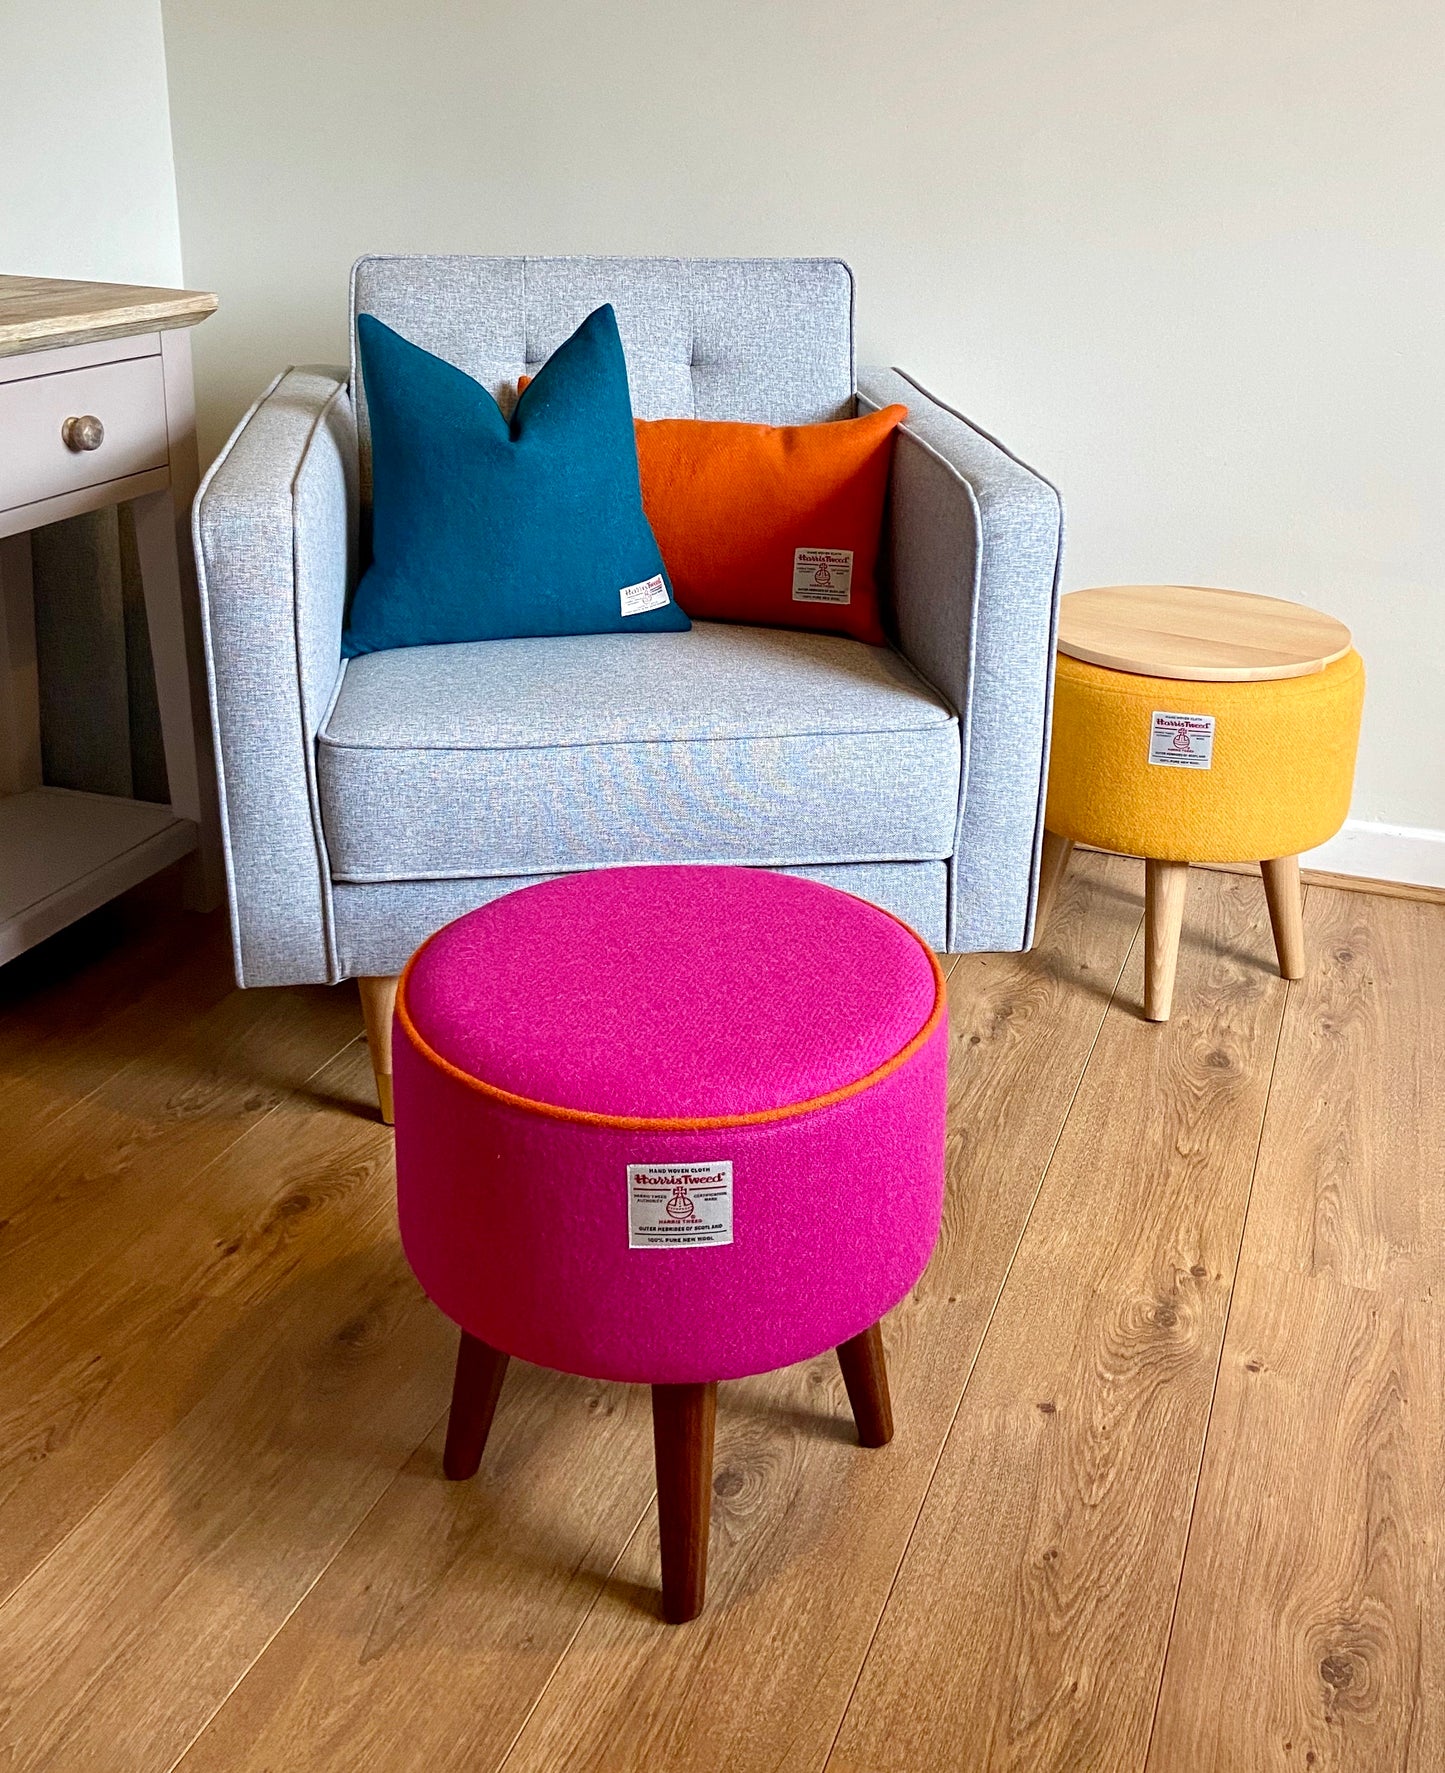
(1411, 854)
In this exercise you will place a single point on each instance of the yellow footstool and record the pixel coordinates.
(1199, 725)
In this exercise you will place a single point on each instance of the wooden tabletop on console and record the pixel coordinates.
(38, 312)
(1198, 633)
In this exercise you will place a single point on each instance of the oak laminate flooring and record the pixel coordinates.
(1310, 1633)
(1031, 1613)
(90, 1383)
(808, 1527)
(426, 1642)
(119, 1647)
(226, 1542)
(1353, 1156)
(96, 997)
(1317, 1557)
(86, 1184)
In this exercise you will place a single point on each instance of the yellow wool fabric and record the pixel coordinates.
(1279, 783)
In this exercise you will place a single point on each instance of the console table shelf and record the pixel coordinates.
(63, 853)
(97, 409)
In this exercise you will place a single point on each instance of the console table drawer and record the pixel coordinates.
(36, 459)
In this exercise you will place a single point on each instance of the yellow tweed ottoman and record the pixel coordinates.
(1199, 725)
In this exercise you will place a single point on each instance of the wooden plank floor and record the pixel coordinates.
(1166, 1494)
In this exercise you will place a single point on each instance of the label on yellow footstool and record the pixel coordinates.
(1183, 741)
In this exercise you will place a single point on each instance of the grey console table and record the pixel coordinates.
(96, 409)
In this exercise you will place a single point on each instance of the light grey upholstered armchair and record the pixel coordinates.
(365, 804)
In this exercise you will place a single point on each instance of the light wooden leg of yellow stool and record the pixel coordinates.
(1053, 864)
(1165, 884)
(378, 1001)
(1286, 914)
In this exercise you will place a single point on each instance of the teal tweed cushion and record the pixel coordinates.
(485, 530)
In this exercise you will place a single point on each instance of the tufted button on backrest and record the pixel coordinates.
(765, 340)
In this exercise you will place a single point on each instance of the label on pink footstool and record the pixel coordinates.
(679, 1206)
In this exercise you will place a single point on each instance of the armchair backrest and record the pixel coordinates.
(766, 340)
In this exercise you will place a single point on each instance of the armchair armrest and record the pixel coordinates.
(275, 525)
(975, 540)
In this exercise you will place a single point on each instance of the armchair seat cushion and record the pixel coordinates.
(725, 744)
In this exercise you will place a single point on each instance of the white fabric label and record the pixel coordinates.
(822, 575)
(1183, 741)
(650, 594)
(679, 1206)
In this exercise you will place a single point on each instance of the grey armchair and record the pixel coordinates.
(365, 804)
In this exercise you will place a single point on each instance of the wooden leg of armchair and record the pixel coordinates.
(378, 1001)
(1053, 865)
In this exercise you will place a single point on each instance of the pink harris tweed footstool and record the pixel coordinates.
(670, 1126)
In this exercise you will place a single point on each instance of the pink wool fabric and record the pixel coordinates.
(671, 992)
(670, 1015)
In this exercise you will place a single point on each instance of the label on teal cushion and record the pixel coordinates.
(679, 1206)
(650, 594)
(1183, 741)
(822, 575)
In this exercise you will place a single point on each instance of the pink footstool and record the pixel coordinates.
(670, 1126)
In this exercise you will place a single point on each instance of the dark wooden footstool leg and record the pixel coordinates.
(683, 1417)
(865, 1373)
(478, 1384)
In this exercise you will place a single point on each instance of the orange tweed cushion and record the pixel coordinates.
(734, 506)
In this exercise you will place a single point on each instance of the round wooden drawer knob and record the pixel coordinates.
(83, 433)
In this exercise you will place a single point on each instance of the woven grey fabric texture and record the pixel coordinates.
(769, 340)
(974, 550)
(725, 744)
(379, 927)
(275, 527)
(918, 787)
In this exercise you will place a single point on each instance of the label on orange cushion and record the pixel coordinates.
(1183, 741)
(822, 575)
(650, 594)
(679, 1206)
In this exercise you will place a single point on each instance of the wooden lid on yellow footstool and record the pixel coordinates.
(1198, 633)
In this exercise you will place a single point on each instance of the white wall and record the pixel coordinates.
(1189, 260)
(87, 187)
